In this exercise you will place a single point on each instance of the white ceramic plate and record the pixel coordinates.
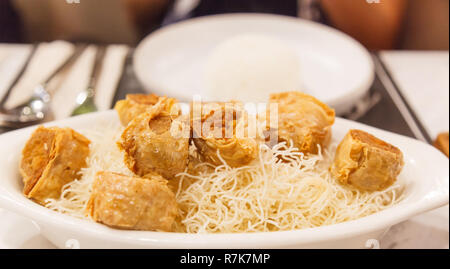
(18, 232)
(426, 175)
(334, 67)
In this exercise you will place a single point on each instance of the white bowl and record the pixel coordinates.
(334, 67)
(426, 175)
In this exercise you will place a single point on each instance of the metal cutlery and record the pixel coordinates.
(86, 99)
(19, 75)
(37, 108)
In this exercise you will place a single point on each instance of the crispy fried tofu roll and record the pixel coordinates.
(51, 158)
(132, 202)
(223, 128)
(136, 104)
(156, 145)
(366, 162)
(304, 120)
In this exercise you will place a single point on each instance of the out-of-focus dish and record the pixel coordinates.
(332, 66)
(252, 65)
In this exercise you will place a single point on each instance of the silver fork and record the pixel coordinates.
(37, 108)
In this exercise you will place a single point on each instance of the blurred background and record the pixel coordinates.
(393, 24)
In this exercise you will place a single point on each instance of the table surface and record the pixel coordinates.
(423, 79)
(391, 104)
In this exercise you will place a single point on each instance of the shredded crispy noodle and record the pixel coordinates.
(282, 190)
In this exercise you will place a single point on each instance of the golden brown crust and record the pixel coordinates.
(144, 99)
(304, 120)
(136, 104)
(369, 139)
(366, 162)
(151, 145)
(35, 156)
(441, 143)
(289, 102)
(52, 158)
(132, 202)
(234, 151)
(216, 131)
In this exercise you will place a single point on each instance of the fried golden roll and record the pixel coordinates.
(217, 132)
(304, 120)
(156, 145)
(136, 104)
(366, 162)
(441, 143)
(132, 202)
(51, 158)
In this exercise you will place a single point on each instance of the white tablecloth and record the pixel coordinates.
(423, 79)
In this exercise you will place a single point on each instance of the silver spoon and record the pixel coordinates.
(85, 99)
(37, 108)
